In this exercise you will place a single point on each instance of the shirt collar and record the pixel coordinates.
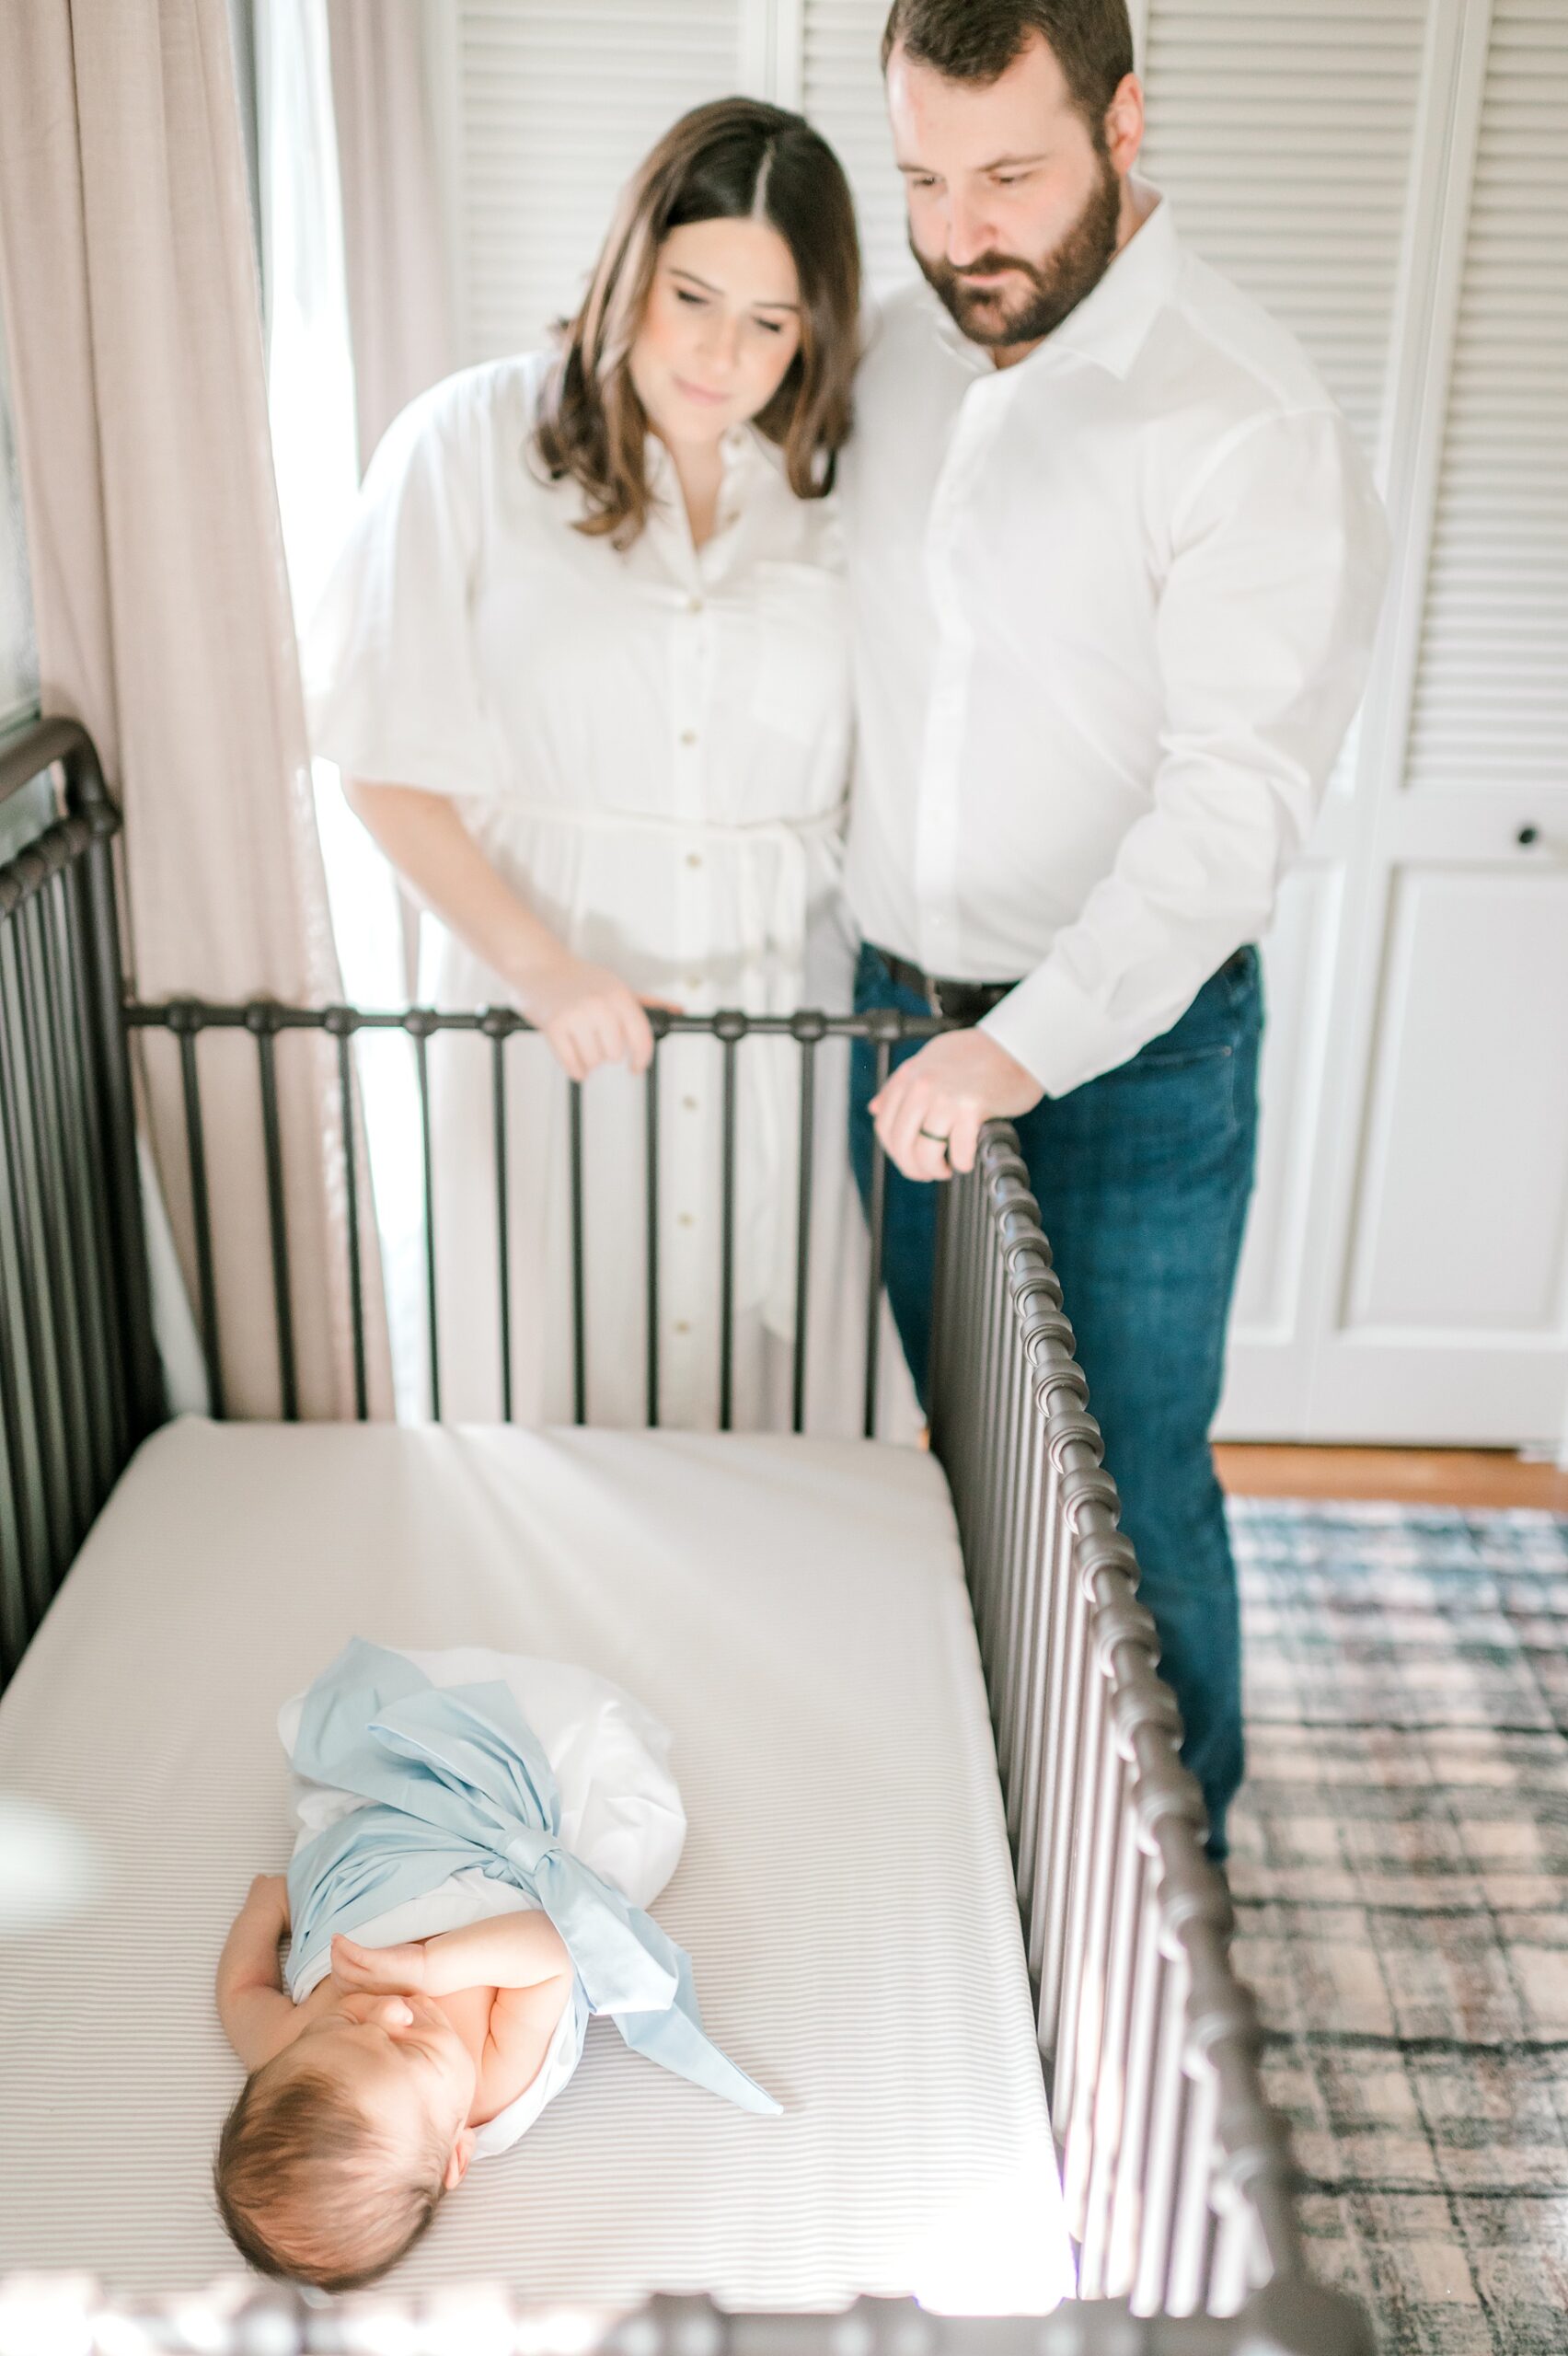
(743, 455)
(748, 464)
(1111, 322)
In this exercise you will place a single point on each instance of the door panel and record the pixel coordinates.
(1460, 1223)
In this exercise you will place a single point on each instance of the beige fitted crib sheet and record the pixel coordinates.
(795, 1610)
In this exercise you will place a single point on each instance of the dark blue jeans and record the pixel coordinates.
(1142, 1177)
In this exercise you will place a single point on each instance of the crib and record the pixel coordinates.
(1179, 2190)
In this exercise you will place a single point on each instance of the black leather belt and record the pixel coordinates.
(967, 1002)
(959, 1001)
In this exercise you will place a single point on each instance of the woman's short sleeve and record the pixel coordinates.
(392, 692)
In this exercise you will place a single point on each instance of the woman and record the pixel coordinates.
(582, 663)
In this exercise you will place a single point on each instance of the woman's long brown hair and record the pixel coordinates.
(735, 159)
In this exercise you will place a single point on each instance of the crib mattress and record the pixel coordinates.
(795, 1610)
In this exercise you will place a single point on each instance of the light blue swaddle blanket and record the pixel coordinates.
(457, 1777)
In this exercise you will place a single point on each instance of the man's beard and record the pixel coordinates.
(1000, 316)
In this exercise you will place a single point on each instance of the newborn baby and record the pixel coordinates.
(478, 1836)
(361, 2103)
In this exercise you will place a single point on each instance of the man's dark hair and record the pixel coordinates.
(976, 40)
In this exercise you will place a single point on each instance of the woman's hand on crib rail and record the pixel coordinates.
(588, 1014)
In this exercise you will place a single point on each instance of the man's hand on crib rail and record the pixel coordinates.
(931, 1110)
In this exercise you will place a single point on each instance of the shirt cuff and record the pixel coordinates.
(1058, 1033)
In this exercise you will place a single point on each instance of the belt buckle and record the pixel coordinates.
(960, 1010)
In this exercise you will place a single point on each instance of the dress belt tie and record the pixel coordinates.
(774, 924)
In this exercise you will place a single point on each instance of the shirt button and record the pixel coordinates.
(690, 1103)
(688, 735)
(683, 1218)
(694, 605)
(683, 1325)
(694, 981)
(694, 858)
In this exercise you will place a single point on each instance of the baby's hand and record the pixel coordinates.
(380, 1971)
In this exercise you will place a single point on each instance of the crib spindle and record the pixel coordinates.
(876, 1213)
(263, 1028)
(650, 1224)
(419, 1023)
(579, 1261)
(497, 1027)
(1102, 2134)
(1125, 2220)
(730, 1028)
(338, 1022)
(808, 1030)
(185, 1021)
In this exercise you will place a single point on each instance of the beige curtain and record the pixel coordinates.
(394, 252)
(128, 276)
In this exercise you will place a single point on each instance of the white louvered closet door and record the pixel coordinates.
(840, 88)
(1284, 133)
(548, 108)
(1403, 1274)
(1449, 1219)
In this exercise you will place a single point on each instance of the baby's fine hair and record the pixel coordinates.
(309, 2189)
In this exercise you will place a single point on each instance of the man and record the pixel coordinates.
(1115, 564)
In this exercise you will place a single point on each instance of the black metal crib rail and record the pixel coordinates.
(1178, 2180)
(79, 1379)
(1178, 2176)
(187, 1020)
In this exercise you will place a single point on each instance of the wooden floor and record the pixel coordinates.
(1431, 1476)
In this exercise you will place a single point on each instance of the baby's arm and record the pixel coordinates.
(258, 2018)
(521, 1956)
(509, 1951)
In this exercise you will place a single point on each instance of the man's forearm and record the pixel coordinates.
(509, 1951)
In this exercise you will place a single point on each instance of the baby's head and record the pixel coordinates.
(334, 2159)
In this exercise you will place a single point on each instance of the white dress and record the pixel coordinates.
(653, 748)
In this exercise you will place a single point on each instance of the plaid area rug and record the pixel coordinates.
(1400, 1866)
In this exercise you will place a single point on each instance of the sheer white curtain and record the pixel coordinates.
(400, 309)
(312, 395)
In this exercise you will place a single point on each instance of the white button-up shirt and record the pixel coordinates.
(1113, 610)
